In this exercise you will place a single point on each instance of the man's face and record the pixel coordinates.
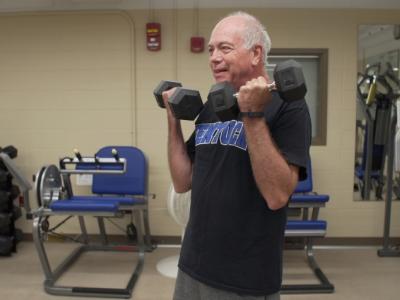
(229, 60)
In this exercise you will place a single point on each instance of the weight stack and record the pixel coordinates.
(9, 211)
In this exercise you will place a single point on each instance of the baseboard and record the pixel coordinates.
(298, 243)
(354, 241)
(176, 240)
(114, 238)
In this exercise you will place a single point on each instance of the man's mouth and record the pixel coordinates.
(217, 71)
(220, 72)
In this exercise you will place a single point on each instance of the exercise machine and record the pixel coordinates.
(120, 180)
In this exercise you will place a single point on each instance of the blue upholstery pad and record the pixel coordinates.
(302, 198)
(306, 225)
(126, 201)
(132, 182)
(87, 206)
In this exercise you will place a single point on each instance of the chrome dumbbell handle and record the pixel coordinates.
(270, 87)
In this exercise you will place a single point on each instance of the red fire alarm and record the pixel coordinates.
(153, 36)
(197, 44)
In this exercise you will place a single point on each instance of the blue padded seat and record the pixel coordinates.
(306, 225)
(112, 199)
(306, 198)
(87, 206)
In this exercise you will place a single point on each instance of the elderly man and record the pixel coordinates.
(241, 173)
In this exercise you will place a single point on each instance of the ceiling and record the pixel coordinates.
(45, 5)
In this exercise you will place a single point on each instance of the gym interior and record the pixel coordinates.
(77, 83)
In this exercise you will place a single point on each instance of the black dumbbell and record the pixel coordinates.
(289, 82)
(163, 86)
(185, 104)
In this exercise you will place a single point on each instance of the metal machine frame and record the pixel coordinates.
(325, 286)
(53, 185)
(307, 226)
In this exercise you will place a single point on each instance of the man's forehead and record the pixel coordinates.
(232, 20)
(233, 23)
(226, 31)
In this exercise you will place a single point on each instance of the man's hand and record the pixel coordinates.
(254, 95)
(166, 95)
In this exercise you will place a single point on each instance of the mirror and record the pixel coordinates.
(378, 87)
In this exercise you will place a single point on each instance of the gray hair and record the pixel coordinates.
(254, 33)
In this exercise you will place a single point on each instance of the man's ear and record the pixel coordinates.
(257, 55)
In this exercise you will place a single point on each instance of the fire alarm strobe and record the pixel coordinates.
(153, 36)
(197, 44)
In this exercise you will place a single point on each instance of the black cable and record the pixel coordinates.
(51, 231)
(59, 224)
(130, 230)
(65, 237)
(116, 225)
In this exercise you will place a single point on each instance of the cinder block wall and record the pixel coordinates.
(85, 79)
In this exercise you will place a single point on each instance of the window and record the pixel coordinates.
(314, 63)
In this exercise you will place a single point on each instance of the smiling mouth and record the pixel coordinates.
(219, 71)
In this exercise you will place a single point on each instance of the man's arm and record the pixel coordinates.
(275, 178)
(180, 165)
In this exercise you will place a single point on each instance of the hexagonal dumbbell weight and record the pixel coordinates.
(163, 86)
(289, 82)
(185, 104)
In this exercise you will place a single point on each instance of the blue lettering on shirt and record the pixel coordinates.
(229, 133)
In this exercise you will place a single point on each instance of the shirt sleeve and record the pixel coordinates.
(205, 116)
(190, 146)
(292, 134)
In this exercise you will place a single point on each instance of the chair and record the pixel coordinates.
(308, 227)
(119, 186)
(131, 187)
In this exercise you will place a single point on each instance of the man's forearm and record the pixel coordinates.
(275, 178)
(179, 163)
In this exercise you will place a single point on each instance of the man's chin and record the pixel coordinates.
(221, 78)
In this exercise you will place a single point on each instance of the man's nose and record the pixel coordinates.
(215, 56)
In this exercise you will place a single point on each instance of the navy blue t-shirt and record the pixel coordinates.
(233, 241)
